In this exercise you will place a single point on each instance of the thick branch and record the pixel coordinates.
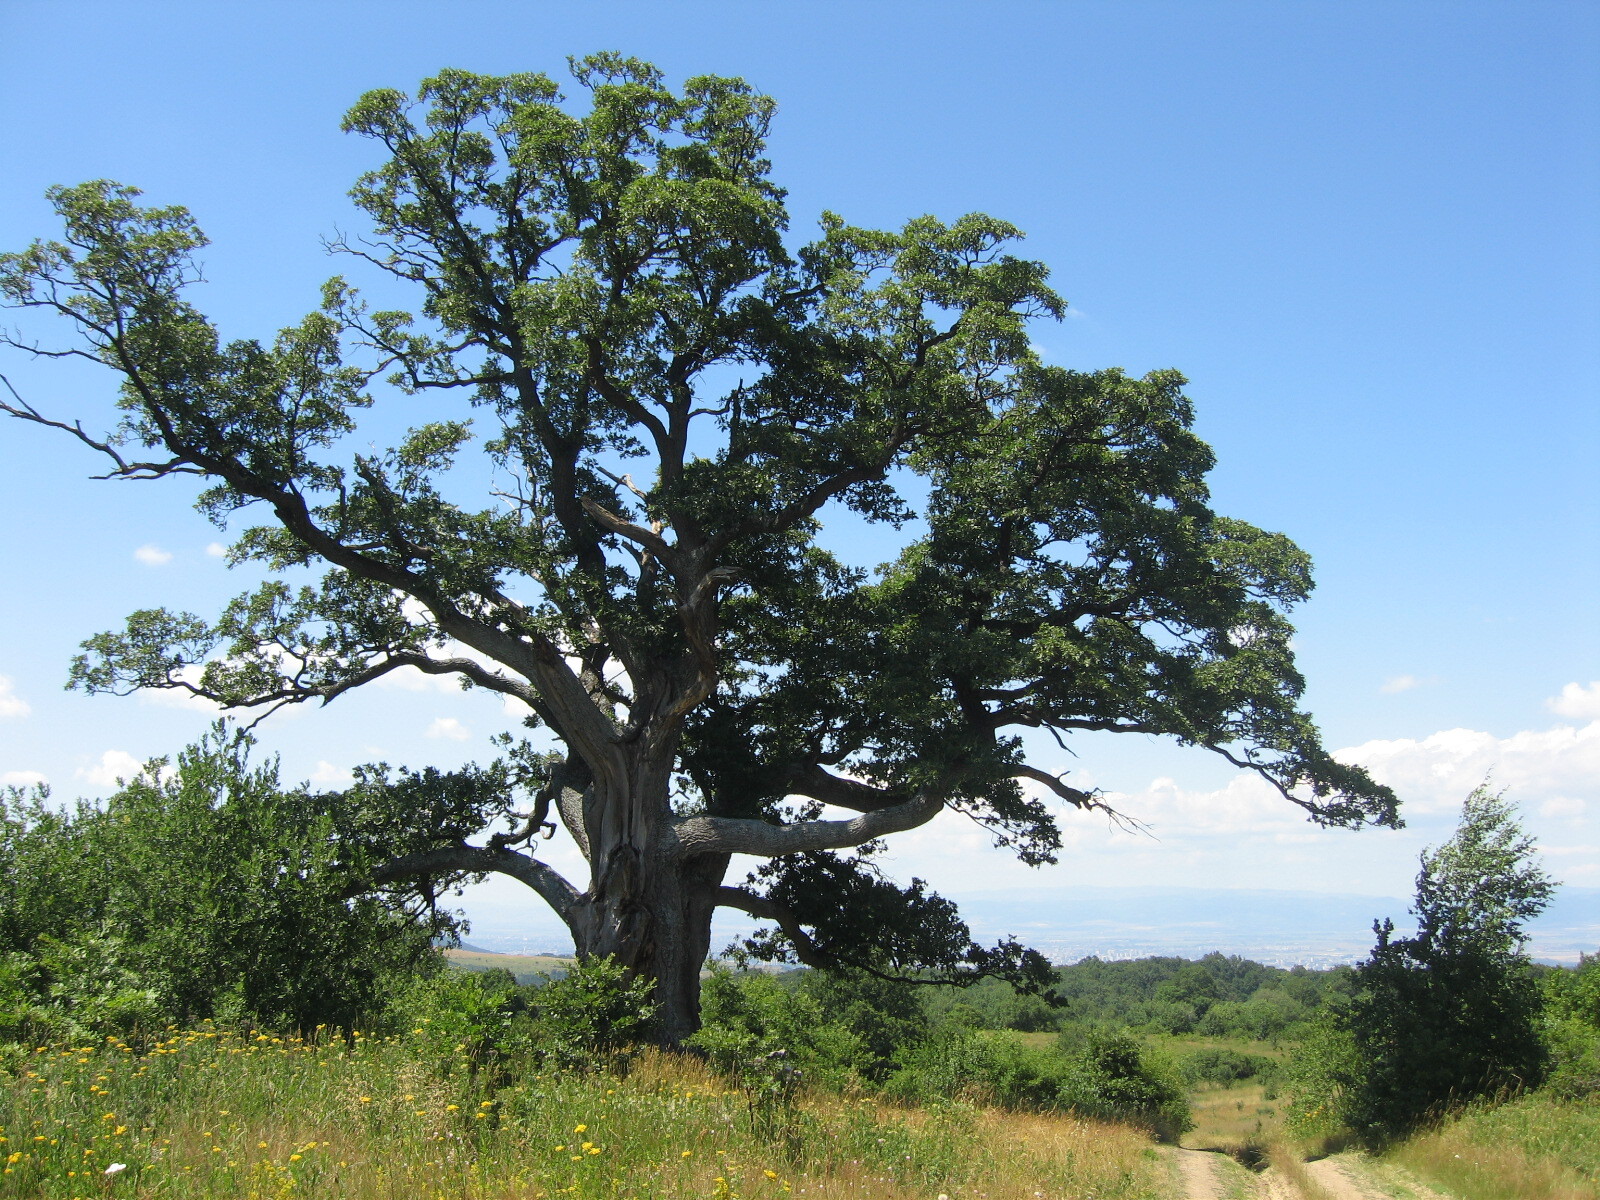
(649, 539)
(759, 907)
(542, 878)
(734, 835)
(819, 784)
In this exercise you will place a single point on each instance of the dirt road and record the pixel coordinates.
(1209, 1175)
(1198, 1170)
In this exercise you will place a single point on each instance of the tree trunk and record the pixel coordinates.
(647, 907)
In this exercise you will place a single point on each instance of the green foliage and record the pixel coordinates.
(884, 1015)
(474, 1019)
(203, 889)
(1243, 999)
(594, 1014)
(1107, 1074)
(1218, 1065)
(1451, 1013)
(760, 1032)
(1572, 1013)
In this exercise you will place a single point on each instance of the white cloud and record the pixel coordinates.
(216, 550)
(1564, 806)
(1241, 833)
(1576, 701)
(1435, 773)
(152, 555)
(1399, 683)
(22, 778)
(328, 775)
(11, 704)
(113, 765)
(449, 727)
(409, 679)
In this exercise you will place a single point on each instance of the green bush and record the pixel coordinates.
(199, 889)
(477, 1017)
(1214, 1065)
(1572, 1010)
(1106, 1074)
(594, 1015)
(761, 1033)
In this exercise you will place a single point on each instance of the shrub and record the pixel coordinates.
(1572, 1008)
(756, 1031)
(223, 893)
(1107, 1075)
(477, 1017)
(1212, 1065)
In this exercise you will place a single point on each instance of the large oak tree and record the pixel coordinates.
(675, 397)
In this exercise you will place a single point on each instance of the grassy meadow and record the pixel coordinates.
(1535, 1147)
(526, 968)
(211, 1112)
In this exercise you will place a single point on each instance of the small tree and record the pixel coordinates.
(674, 398)
(207, 886)
(1452, 1012)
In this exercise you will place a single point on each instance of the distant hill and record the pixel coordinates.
(528, 968)
(1279, 928)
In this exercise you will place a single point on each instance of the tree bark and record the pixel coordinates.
(647, 905)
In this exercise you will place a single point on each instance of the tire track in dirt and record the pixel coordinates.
(1206, 1175)
(1197, 1169)
(1337, 1178)
(1347, 1177)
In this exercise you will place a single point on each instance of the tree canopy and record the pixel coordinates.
(670, 398)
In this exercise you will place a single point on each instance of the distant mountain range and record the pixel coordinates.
(1279, 928)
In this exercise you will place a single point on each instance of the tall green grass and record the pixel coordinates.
(1536, 1147)
(210, 1112)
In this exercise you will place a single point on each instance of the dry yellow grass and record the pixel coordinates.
(1229, 1118)
(214, 1113)
(1457, 1158)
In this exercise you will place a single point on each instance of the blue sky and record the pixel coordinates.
(1366, 232)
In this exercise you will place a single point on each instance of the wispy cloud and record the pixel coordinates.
(11, 704)
(22, 778)
(216, 550)
(1400, 683)
(152, 555)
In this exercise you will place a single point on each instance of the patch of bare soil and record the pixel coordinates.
(1198, 1171)
(1347, 1177)
(1275, 1185)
